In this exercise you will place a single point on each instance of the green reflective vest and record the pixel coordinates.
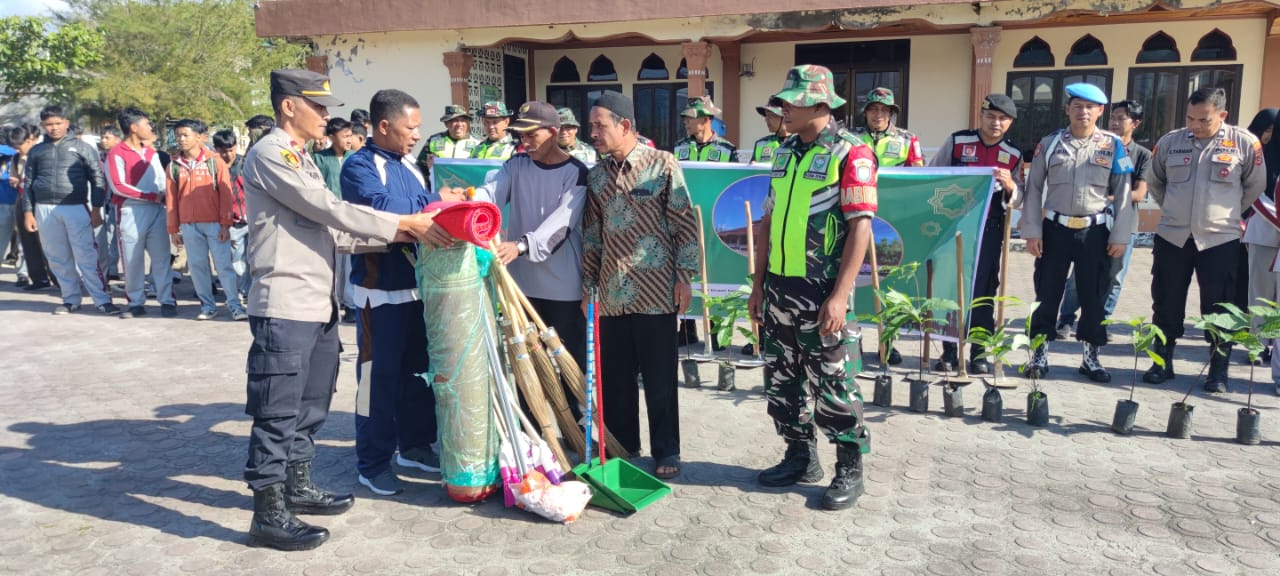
(806, 228)
(584, 152)
(765, 148)
(500, 150)
(894, 148)
(717, 150)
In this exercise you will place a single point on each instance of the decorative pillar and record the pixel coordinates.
(730, 94)
(984, 41)
(459, 65)
(695, 58)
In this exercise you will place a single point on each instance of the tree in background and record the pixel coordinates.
(43, 60)
(181, 59)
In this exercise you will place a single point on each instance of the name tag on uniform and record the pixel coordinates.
(1224, 159)
(779, 167)
(818, 167)
(893, 148)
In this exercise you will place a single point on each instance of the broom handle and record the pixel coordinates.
(702, 251)
(751, 268)
(591, 377)
(964, 370)
(599, 381)
(1004, 265)
(875, 286)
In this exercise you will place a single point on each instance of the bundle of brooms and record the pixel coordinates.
(539, 361)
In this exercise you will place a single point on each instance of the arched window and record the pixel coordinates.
(565, 71)
(1034, 54)
(602, 70)
(1160, 47)
(1087, 51)
(683, 72)
(653, 68)
(1214, 46)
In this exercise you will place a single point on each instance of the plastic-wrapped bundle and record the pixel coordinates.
(453, 297)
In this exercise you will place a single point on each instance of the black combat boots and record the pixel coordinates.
(799, 464)
(1218, 364)
(303, 497)
(274, 526)
(1155, 374)
(847, 485)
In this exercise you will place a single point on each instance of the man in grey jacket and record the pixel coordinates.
(62, 176)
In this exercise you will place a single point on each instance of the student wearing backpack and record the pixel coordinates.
(200, 213)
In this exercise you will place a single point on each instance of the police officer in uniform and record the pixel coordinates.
(568, 138)
(293, 362)
(1065, 222)
(764, 148)
(498, 144)
(814, 235)
(987, 145)
(1203, 177)
(454, 142)
(702, 144)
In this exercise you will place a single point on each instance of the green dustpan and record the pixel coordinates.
(620, 486)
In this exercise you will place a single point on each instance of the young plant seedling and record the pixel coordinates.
(1037, 400)
(996, 344)
(1145, 335)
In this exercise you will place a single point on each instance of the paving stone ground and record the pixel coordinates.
(122, 442)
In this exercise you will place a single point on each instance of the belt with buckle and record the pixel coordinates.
(1076, 222)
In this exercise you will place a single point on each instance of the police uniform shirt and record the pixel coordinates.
(293, 218)
(1076, 177)
(716, 150)
(1203, 187)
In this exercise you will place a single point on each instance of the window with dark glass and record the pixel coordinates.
(1163, 93)
(1087, 51)
(860, 67)
(565, 71)
(1160, 47)
(653, 68)
(1215, 45)
(658, 107)
(1035, 53)
(602, 70)
(1041, 100)
(580, 99)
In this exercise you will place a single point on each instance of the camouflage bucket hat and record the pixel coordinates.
(567, 118)
(809, 85)
(454, 111)
(700, 107)
(881, 96)
(495, 110)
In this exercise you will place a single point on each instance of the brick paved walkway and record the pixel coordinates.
(121, 444)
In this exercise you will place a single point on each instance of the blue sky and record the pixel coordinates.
(29, 7)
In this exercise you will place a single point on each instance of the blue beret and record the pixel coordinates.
(1087, 92)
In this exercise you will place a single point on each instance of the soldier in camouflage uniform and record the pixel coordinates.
(499, 144)
(814, 235)
(764, 148)
(569, 141)
(455, 142)
(702, 143)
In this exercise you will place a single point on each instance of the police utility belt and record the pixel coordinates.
(1081, 222)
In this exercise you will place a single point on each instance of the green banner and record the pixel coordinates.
(921, 211)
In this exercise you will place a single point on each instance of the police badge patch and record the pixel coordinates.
(291, 159)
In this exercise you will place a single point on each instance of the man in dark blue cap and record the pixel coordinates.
(295, 223)
(1066, 223)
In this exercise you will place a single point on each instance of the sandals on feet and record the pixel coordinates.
(671, 463)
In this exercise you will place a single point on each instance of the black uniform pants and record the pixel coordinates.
(1086, 249)
(644, 344)
(986, 278)
(1171, 268)
(292, 371)
(33, 254)
(571, 325)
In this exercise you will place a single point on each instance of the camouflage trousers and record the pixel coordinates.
(799, 365)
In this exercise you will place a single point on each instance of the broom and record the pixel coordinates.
(569, 368)
(527, 381)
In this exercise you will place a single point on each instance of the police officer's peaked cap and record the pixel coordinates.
(303, 83)
(700, 107)
(1087, 92)
(454, 111)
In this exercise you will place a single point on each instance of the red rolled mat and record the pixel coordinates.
(474, 222)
